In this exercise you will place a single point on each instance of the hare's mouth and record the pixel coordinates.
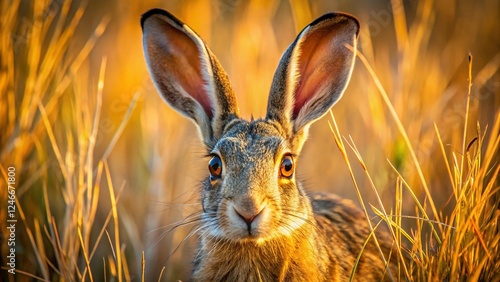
(244, 224)
(238, 233)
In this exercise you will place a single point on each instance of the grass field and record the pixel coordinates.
(104, 171)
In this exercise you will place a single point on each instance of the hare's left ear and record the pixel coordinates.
(187, 74)
(313, 72)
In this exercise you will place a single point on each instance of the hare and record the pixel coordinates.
(257, 222)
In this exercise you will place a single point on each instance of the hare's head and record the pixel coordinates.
(250, 192)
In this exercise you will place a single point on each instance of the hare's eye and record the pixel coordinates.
(286, 167)
(215, 168)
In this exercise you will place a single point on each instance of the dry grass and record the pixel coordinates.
(106, 171)
(465, 245)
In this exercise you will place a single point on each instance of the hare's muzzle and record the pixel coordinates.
(248, 217)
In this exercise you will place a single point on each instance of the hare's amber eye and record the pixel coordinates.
(215, 167)
(286, 167)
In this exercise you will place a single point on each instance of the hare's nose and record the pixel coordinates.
(248, 217)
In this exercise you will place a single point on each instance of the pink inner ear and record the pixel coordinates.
(190, 77)
(184, 56)
(315, 67)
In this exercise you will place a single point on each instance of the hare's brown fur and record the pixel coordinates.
(301, 258)
(323, 248)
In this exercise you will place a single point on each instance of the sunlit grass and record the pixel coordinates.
(50, 138)
(467, 245)
(461, 245)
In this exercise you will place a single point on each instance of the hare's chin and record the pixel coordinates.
(239, 234)
(256, 240)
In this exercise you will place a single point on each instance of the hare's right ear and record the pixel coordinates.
(313, 73)
(187, 74)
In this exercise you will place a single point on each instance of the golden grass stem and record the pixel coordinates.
(143, 266)
(36, 251)
(40, 246)
(356, 262)
(402, 132)
(50, 134)
(125, 264)
(383, 213)
(417, 202)
(443, 151)
(340, 145)
(161, 273)
(31, 275)
(95, 128)
(466, 122)
(460, 186)
(87, 262)
(105, 225)
(493, 144)
(118, 256)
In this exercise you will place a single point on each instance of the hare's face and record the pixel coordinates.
(251, 193)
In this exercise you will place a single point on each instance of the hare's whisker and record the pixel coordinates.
(176, 224)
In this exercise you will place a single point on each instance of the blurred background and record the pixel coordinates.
(81, 117)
